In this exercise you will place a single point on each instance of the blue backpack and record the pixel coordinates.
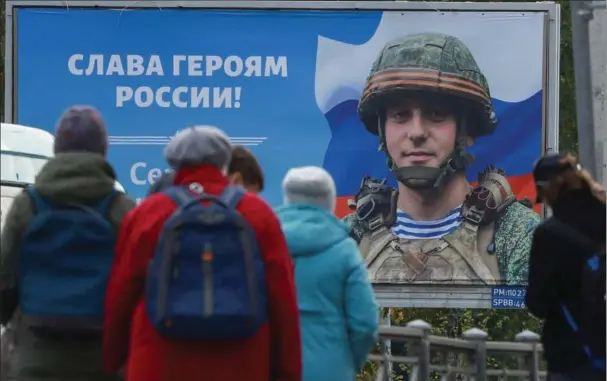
(591, 328)
(64, 265)
(207, 278)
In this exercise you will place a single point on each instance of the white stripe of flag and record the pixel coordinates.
(164, 140)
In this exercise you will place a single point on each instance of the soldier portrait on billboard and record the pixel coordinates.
(427, 101)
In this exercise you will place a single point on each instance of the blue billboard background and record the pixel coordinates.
(281, 114)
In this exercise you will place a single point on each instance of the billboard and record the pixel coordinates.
(288, 84)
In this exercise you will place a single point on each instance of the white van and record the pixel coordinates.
(25, 150)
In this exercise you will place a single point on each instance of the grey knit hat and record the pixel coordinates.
(199, 145)
(81, 129)
(309, 185)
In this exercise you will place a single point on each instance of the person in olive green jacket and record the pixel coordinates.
(79, 173)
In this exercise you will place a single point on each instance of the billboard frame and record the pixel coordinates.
(413, 296)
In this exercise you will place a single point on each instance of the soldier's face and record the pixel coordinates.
(420, 133)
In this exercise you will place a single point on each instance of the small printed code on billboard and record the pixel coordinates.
(508, 297)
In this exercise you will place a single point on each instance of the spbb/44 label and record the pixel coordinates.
(508, 297)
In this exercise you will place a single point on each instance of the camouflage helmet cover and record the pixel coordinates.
(428, 62)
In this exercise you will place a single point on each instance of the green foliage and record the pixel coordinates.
(567, 111)
(500, 325)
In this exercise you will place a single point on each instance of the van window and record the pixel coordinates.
(20, 167)
(6, 204)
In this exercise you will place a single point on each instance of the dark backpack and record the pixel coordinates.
(591, 326)
(207, 278)
(64, 265)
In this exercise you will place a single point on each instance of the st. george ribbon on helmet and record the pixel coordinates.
(429, 65)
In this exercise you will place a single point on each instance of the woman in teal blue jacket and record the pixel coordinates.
(338, 313)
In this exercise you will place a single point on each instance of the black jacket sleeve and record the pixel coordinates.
(541, 291)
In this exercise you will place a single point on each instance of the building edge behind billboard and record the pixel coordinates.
(390, 295)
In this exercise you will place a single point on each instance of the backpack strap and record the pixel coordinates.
(231, 196)
(38, 203)
(179, 195)
(595, 261)
(105, 205)
(597, 362)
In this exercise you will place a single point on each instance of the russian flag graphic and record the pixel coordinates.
(515, 84)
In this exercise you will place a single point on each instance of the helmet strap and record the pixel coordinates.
(427, 177)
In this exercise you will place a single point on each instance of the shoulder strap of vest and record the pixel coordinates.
(489, 199)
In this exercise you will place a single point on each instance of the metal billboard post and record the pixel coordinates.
(581, 14)
(385, 373)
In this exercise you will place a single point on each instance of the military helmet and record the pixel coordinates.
(430, 63)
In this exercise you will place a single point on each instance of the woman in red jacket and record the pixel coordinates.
(199, 155)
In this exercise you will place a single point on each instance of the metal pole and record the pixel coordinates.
(597, 30)
(580, 16)
(388, 343)
(385, 372)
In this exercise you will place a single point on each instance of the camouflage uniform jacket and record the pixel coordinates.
(70, 177)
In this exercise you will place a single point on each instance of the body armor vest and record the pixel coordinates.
(464, 256)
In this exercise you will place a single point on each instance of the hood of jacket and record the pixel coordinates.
(310, 230)
(78, 177)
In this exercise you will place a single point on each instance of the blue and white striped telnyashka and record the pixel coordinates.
(408, 228)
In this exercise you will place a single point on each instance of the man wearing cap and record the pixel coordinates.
(199, 155)
(78, 174)
(427, 101)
